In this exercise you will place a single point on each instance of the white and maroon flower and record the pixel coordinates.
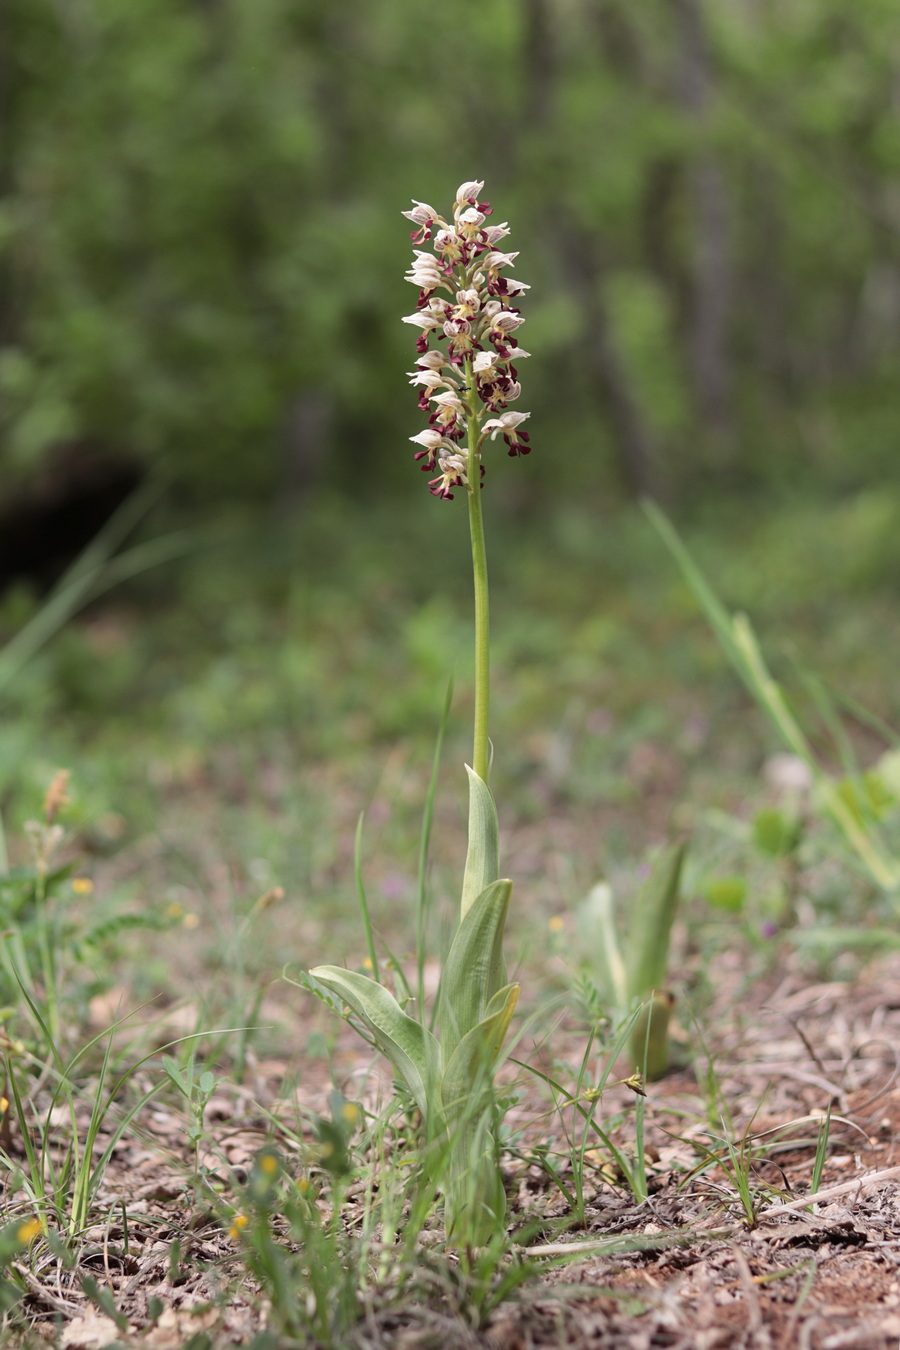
(452, 248)
(465, 350)
(425, 217)
(422, 214)
(507, 421)
(467, 192)
(429, 379)
(426, 272)
(506, 425)
(468, 304)
(433, 441)
(450, 400)
(432, 360)
(425, 319)
(506, 321)
(497, 259)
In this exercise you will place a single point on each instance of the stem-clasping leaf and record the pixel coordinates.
(474, 970)
(471, 1066)
(482, 857)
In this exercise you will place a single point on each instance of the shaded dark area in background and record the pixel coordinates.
(201, 252)
(49, 519)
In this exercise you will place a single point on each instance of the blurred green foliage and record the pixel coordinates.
(201, 251)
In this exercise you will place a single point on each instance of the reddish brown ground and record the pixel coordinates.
(697, 1275)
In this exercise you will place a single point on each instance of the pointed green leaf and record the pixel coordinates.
(482, 857)
(469, 1075)
(651, 923)
(474, 969)
(719, 618)
(595, 918)
(408, 1045)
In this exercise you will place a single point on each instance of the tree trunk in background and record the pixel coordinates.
(711, 307)
(580, 252)
(7, 141)
(539, 64)
(633, 439)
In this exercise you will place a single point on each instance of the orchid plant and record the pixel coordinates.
(466, 355)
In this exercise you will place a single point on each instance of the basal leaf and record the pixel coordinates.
(474, 1195)
(408, 1045)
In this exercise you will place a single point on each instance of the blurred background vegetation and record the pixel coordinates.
(201, 254)
(201, 279)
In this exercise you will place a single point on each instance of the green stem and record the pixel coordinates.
(480, 753)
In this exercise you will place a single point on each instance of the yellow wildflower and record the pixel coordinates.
(28, 1231)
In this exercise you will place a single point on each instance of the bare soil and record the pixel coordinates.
(687, 1268)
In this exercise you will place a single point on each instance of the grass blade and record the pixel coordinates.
(361, 896)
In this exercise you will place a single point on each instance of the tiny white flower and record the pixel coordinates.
(788, 772)
(484, 360)
(494, 233)
(514, 287)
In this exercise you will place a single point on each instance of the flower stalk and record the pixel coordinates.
(481, 739)
(466, 381)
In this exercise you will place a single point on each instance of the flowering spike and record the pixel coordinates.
(468, 303)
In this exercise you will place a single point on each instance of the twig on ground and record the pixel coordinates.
(832, 1192)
